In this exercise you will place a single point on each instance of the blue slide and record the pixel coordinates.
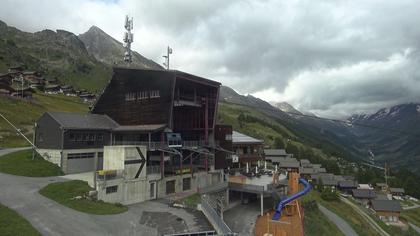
(288, 199)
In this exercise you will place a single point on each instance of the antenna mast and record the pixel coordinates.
(128, 39)
(168, 52)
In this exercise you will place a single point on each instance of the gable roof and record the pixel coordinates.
(364, 193)
(396, 190)
(240, 138)
(275, 152)
(83, 120)
(347, 184)
(386, 205)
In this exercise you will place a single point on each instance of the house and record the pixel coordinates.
(306, 172)
(305, 163)
(6, 90)
(51, 81)
(247, 149)
(347, 186)
(364, 196)
(382, 186)
(328, 181)
(397, 193)
(66, 89)
(87, 97)
(274, 155)
(365, 186)
(224, 153)
(6, 79)
(387, 210)
(288, 164)
(52, 89)
(17, 68)
(23, 93)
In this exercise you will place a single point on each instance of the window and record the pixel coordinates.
(99, 137)
(112, 189)
(228, 137)
(72, 137)
(91, 137)
(170, 186)
(142, 95)
(79, 137)
(130, 96)
(154, 94)
(41, 137)
(80, 155)
(186, 184)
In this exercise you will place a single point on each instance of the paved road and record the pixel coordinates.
(414, 227)
(50, 218)
(338, 221)
(365, 216)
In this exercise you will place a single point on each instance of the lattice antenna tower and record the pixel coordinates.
(128, 39)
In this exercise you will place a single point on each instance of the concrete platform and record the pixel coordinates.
(85, 176)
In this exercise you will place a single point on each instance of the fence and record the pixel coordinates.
(214, 218)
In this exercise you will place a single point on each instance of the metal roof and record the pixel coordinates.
(83, 120)
(364, 193)
(347, 184)
(396, 190)
(386, 205)
(242, 138)
(275, 152)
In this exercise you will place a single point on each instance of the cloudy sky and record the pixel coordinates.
(332, 57)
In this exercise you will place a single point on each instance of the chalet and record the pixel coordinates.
(248, 149)
(288, 164)
(51, 81)
(387, 210)
(365, 186)
(6, 79)
(364, 196)
(67, 90)
(347, 186)
(223, 155)
(161, 120)
(23, 93)
(6, 90)
(397, 193)
(274, 155)
(307, 172)
(17, 68)
(87, 97)
(305, 163)
(382, 187)
(52, 89)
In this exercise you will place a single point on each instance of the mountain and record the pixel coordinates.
(391, 134)
(84, 61)
(110, 51)
(286, 107)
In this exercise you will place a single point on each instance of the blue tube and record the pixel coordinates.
(285, 201)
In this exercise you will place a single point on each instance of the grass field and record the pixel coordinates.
(12, 224)
(65, 192)
(412, 215)
(24, 113)
(21, 163)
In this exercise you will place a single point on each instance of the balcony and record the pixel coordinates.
(159, 145)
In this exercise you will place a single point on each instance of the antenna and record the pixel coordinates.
(166, 63)
(128, 39)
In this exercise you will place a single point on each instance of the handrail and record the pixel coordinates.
(284, 202)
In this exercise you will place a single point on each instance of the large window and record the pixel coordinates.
(130, 96)
(80, 155)
(154, 94)
(142, 95)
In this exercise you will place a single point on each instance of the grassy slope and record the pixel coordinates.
(347, 213)
(228, 114)
(64, 193)
(21, 163)
(24, 113)
(11, 224)
(412, 215)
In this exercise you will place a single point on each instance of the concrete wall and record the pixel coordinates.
(51, 155)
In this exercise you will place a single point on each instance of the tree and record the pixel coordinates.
(278, 143)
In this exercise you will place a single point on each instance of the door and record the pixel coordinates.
(170, 186)
(153, 193)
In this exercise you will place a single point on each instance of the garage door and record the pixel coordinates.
(80, 162)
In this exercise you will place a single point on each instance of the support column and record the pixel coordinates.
(242, 197)
(227, 197)
(162, 159)
(262, 204)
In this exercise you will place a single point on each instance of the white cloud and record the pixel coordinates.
(278, 50)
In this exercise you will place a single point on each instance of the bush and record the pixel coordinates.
(328, 194)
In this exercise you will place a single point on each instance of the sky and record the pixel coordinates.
(332, 58)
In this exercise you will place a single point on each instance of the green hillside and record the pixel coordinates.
(24, 113)
(275, 135)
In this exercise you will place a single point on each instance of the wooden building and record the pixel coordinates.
(248, 149)
(387, 210)
(223, 137)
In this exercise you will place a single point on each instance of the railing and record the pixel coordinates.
(214, 218)
(247, 187)
(153, 170)
(160, 145)
(214, 188)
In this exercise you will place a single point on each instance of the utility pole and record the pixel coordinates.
(168, 52)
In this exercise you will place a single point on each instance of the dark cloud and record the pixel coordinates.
(328, 57)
